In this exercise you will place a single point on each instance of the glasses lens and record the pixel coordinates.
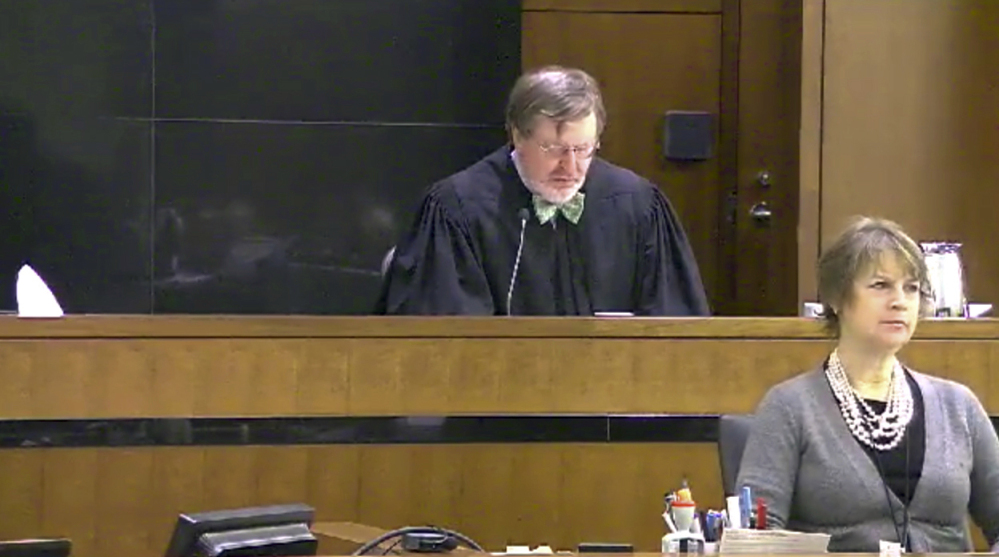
(560, 151)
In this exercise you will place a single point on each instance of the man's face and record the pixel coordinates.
(554, 160)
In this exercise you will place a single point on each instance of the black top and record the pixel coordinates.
(628, 252)
(902, 466)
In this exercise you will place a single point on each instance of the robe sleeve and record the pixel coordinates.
(669, 281)
(435, 270)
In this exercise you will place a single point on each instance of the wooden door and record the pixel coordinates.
(765, 48)
(655, 56)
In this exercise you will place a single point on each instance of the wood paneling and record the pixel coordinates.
(976, 132)
(105, 327)
(353, 366)
(646, 6)
(909, 132)
(126, 501)
(810, 148)
(764, 275)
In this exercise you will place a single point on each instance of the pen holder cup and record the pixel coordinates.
(683, 515)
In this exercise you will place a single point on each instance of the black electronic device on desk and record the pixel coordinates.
(591, 547)
(273, 531)
(420, 539)
(47, 547)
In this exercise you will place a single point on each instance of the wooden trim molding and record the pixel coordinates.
(646, 6)
(810, 155)
(305, 327)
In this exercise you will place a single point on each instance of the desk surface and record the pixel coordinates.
(355, 534)
(641, 554)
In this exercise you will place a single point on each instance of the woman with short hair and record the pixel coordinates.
(865, 448)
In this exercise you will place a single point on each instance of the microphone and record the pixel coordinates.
(524, 216)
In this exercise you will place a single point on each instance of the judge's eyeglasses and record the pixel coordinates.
(558, 151)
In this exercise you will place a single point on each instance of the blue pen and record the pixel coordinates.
(746, 506)
(710, 526)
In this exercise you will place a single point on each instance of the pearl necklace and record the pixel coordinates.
(882, 432)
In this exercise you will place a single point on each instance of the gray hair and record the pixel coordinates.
(562, 94)
(863, 244)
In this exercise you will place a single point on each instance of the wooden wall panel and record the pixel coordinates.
(644, 6)
(126, 501)
(641, 371)
(763, 266)
(365, 377)
(909, 97)
(810, 152)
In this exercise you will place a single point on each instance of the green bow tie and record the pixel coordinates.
(571, 209)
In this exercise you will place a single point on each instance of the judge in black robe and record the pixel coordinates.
(627, 253)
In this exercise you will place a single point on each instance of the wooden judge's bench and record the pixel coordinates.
(509, 430)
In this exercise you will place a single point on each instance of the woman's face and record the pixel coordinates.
(883, 309)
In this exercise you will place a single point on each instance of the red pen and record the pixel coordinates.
(761, 514)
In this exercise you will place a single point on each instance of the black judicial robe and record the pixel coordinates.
(627, 253)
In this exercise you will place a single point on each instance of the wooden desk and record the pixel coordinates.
(124, 499)
(115, 367)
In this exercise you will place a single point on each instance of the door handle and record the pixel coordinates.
(761, 212)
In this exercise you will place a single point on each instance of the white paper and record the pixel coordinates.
(978, 310)
(734, 511)
(811, 310)
(34, 299)
(890, 549)
(743, 541)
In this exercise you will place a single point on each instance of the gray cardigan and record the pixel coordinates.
(803, 460)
